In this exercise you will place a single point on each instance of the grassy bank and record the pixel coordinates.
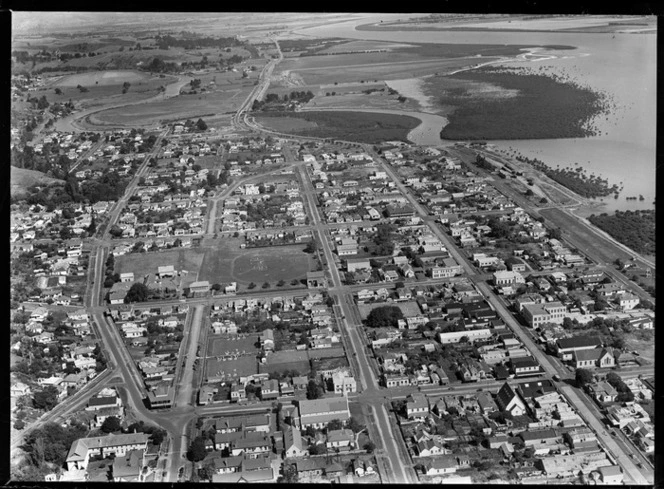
(635, 229)
(361, 127)
(544, 107)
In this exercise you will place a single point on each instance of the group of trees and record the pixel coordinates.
(382, 238)
(635, 229)
(384, 317)
(273, 101)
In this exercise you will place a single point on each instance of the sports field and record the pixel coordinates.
(225, 262)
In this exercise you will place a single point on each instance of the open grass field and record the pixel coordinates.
(347, 68)
(365, 127)
(219, 370)
(108, 91)
(21, 179)
(112, 77)
(376, 100)
(363, 45)
(144, 263)
(226, 262)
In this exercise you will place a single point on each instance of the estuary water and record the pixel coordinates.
(621, 65)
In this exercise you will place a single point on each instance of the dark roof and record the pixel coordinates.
(102, 401)
(538, 434)
(524, 362)
(578, 342)
(536, 388)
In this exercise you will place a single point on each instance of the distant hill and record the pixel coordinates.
(21, 179)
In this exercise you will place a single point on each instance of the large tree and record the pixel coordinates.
(197, 451)
(137, 293)
(46, 399)
(583, 377)
(111, 425)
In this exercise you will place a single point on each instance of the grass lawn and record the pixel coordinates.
(218, 370)
(220, 345)
(226, 262)
(143, 263)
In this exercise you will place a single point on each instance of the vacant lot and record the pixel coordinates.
(226, 262)
(21, 179)
(144, 263)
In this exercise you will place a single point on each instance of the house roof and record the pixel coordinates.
(102, 401)
(536, 388)
(584, 355)
(523, 362)
(293, 438)
(81, 446)
(538, 435)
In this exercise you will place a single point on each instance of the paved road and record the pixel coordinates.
(185, 372)
(389, 437)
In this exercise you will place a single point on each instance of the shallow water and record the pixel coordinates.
(622, 65)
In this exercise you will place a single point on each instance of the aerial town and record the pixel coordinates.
(206, 299)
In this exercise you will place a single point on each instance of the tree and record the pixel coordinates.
(197, 451)
(157, 436)
(583, 377)
(335, 424)
(46, 399)
(290, 475)
(311, 247)
(369, 446)
(251, 285)
(281, 283)
(137, 293)
(111, 425)
(201, 125)
(266, 285)
(384, 316)
(314, 391)
(19, 424)
(354, 424)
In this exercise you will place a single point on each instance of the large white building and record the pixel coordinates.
(319, 412)
(84, 448)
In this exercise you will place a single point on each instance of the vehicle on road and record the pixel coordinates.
(556, 377)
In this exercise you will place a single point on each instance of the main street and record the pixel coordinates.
(388, 435)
